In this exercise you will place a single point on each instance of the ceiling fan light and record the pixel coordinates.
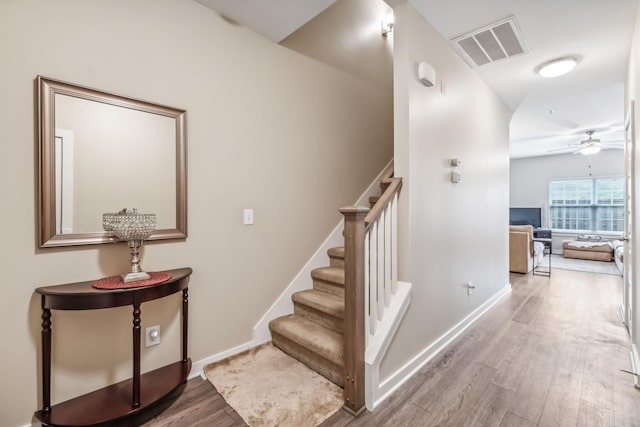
(557, 67)
(593, 149)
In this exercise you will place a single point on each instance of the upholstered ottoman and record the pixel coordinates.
(596, 251)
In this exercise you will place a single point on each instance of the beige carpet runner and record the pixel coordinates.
(268, 388)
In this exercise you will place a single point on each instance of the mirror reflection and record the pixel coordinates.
(101, 153)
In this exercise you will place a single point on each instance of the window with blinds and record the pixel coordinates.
(587, 205)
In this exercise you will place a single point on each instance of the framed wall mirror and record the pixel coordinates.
(100, 152)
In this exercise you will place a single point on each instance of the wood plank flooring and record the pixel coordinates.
(549, 354)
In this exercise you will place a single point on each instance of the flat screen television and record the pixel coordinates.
(525, 216)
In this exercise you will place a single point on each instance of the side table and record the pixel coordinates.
(537, 270)
(126, 398)
(543, 234)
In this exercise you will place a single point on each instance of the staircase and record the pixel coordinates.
(320, 333)
(313, 334)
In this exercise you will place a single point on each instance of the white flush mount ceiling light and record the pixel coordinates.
(557, 67)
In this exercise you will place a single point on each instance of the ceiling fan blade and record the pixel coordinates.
(568, 147)
(548, 138)
(577, 134)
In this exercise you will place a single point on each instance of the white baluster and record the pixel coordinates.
(367, 286)
(373, 277)
(387, 256)
(394, 244)
(380, 262)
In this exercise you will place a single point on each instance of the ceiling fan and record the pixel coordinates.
(590, 145)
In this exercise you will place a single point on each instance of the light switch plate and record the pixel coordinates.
(248, 217)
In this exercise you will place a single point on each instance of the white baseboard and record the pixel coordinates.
(635, 364)
(392, 383)
(283, 305)
(197, 368)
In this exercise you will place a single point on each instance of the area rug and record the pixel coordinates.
(601, 267)
(268, 388)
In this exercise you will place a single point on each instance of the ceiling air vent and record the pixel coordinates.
(492, 43)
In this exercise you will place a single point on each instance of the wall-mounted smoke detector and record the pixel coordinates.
(492, 43)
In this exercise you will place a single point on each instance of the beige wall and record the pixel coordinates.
(357, 47)
(268, 129)
(450, 233)
(632, 93)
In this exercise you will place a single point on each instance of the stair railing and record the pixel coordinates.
(371, 280)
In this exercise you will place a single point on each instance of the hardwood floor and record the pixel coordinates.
(198, 405)
(549, 354)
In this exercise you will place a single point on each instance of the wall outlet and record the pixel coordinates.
(248, 217)
(152, 336)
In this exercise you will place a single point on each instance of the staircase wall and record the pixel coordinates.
(283, 305)
(450, 234)
(301, 281)
(325, 38)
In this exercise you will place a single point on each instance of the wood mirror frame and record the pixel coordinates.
(49, 233)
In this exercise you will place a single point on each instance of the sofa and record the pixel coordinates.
(601, 250)
(618, 254)
(524, 253)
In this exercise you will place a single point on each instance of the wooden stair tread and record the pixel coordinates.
(329, 274)
(324, 302)
(337, 252)
(336, 257)
(308, 334)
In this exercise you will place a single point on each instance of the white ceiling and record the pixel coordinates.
(274, 19)
(590, 97)
(548, 113)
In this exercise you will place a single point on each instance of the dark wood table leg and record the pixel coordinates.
(135, 403)
(46, 358)
(185, 322)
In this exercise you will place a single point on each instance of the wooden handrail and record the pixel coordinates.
(394, 186)
(357, 221)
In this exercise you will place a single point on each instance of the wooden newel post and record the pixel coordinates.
(354, 329)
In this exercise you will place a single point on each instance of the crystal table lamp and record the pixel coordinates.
(130, 226)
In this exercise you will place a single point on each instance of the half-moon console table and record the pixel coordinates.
(126, 398)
